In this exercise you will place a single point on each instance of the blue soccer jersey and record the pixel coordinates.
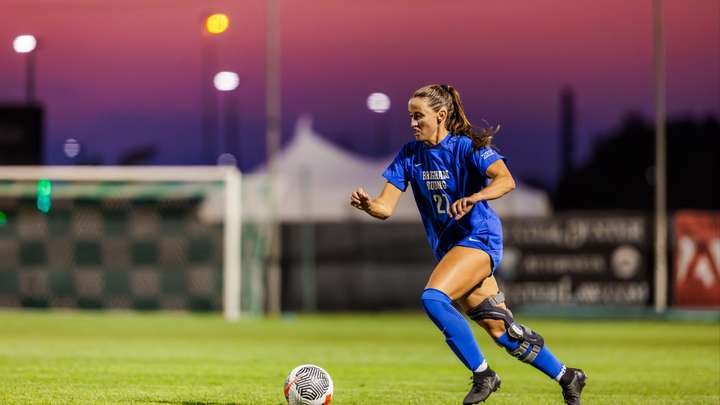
(440, 175)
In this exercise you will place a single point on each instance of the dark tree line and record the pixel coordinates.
(620, 173)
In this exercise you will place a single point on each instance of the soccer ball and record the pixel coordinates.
(308, 384)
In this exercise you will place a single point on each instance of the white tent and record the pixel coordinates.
(315, 179)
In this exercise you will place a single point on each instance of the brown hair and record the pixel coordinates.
(443, 95)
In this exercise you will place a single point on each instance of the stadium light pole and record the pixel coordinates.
(273, 138)
(661, 232)
(214, 25)
(26, 44)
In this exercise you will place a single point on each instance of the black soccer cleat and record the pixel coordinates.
(484, 383)
(572, 383)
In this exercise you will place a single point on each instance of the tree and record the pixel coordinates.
(620, 173)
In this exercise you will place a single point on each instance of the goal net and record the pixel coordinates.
(128, 238)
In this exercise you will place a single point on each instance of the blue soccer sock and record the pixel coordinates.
(458, 334)
(544, 361)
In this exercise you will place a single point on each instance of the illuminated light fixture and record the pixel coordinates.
(227, 159)
(378, 102)
(217, 23)
(226, 81)
(24, 43)
(71, 148)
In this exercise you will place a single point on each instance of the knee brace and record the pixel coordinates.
(529, 343)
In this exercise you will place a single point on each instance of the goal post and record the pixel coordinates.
(98, 182)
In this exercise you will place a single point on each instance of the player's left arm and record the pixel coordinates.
(501, 183)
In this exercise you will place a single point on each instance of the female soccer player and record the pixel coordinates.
(454, 172)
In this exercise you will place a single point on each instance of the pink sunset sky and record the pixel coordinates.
(120, 74)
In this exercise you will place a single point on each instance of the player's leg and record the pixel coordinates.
(457, 273)
(486, 305)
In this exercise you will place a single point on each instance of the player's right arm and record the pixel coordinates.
(381, 207)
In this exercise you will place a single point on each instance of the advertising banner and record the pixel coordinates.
(696, 270)
(577, 259)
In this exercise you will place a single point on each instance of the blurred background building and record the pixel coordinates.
(127, 83)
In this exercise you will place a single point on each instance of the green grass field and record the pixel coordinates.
(54, 357)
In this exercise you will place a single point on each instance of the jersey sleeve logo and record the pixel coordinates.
(487, 154)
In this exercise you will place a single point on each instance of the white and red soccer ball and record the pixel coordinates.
(308, 384)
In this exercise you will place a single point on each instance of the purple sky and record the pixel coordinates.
(120, 74)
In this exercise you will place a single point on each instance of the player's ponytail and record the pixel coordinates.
(443, 95)
(458, 123)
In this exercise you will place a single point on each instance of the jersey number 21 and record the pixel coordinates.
(439, 200)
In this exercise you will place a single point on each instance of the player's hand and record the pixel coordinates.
(459, 208)
(360, 199)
